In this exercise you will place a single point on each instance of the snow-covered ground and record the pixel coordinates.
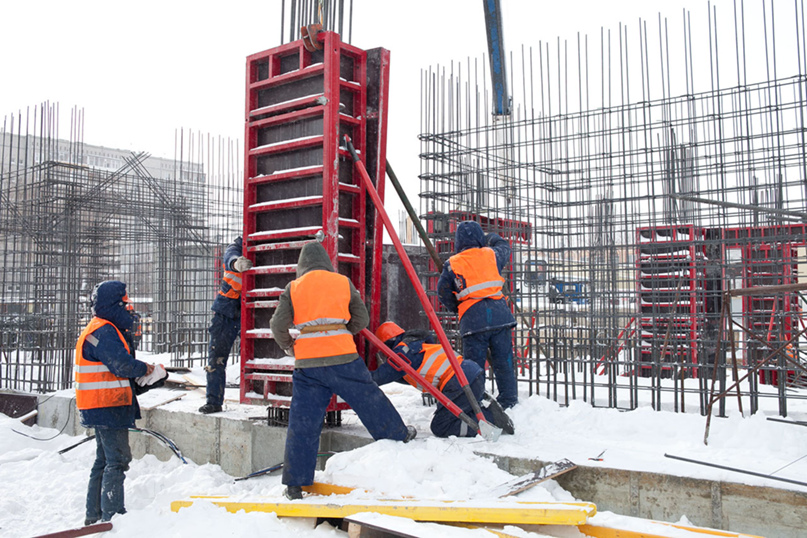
(42, 491)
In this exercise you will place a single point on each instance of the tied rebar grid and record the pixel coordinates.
(635, 187)
(73, 215)
(334, 15)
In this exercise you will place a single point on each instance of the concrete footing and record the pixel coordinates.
(242, 446)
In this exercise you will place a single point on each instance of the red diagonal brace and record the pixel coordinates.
(424, 300)
(401, 364)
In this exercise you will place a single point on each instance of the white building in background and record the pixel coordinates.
(20, 152)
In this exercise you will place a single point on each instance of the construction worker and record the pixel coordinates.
(108, 379)
(327, 310)
(471, 285)
(135, 333)
(225, 325)
(424, 354)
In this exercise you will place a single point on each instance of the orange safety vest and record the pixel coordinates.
(435, 368)
(321, 298)
(96, 386)
(233, 279)
(482, 279)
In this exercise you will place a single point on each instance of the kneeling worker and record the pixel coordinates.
(427, 357)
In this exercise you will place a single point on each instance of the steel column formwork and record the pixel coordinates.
(300, 186)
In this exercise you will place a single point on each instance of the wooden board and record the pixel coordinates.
(372, 526)
(521, 483)
(662, 530)
(379, 526)
(79, 531)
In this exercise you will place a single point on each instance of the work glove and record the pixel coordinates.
(242, 264)
(157, 374)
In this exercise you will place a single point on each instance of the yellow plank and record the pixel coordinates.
(321, 488)
(596, 531)
(441, 511)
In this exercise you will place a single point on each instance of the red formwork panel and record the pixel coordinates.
(300, 184)
(765, 256)
(670, 284)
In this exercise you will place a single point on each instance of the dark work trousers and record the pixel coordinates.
(500, 342)
(112, 457)
(444, 422)
(223, 332)
(312, 389)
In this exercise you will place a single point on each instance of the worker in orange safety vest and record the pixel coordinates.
(328, 311)
(420, 349)
(471, 285)
(107, 381)
(225, 325)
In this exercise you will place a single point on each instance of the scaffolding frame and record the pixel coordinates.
(73, 215)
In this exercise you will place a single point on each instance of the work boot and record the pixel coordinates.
(500, 418)
(209, 408)
(411, 433)
(293, 493)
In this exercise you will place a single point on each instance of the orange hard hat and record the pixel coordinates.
(388, 330)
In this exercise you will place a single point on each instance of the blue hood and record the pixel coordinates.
(469, 235)
(107, 303)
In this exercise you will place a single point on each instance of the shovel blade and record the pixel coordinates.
(489, 432)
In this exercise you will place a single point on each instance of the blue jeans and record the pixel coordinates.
(112, 457)
(444, 422)
(312, 389)
(223, 332)
(500, 342)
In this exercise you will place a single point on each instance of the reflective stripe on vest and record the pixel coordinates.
(477, 266)
(95, 385)
(435, 368)
(321, 298)
(233, 280)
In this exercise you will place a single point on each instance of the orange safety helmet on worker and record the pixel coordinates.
(321, 317)
(96, 386)
(476, 269)
(435, 366)
(388, 330)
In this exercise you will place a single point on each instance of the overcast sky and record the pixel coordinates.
(142, 70)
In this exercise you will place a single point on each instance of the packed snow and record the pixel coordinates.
(42, 491)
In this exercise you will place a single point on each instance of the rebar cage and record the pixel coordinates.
(632, 218)
(73, 215)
